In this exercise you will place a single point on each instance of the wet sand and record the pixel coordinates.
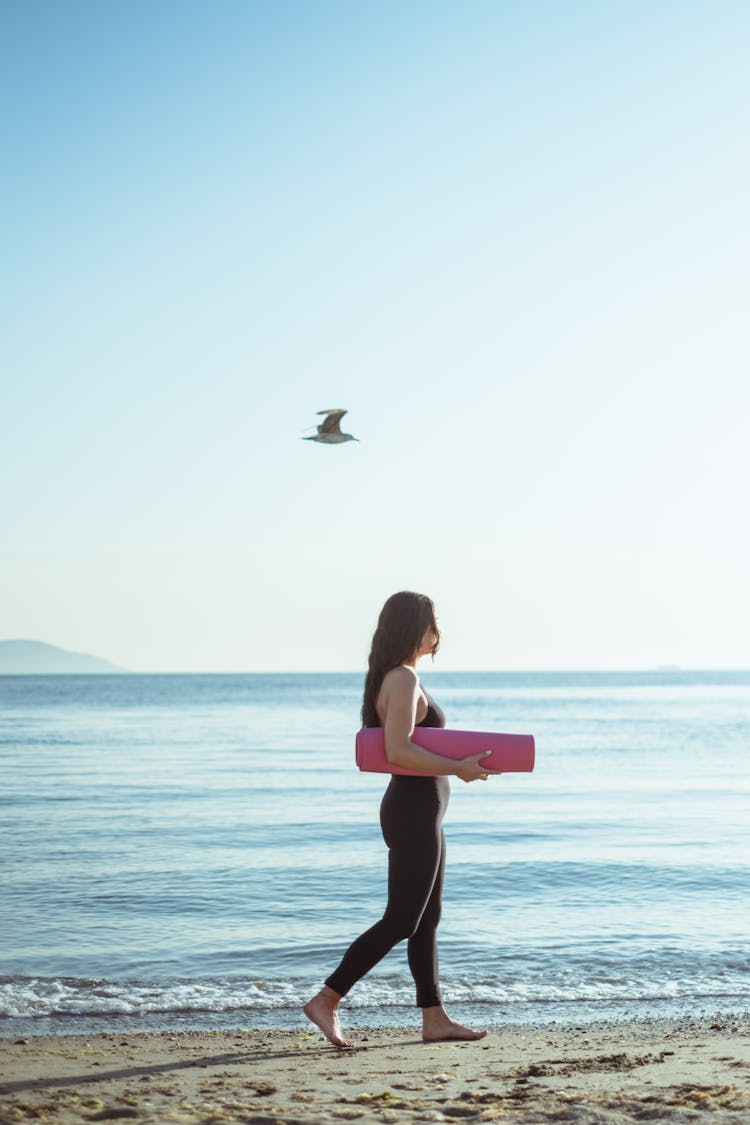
(615, 1073)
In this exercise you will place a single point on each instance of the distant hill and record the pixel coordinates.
(21, 658)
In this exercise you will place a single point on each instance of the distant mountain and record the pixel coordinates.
(21, 658)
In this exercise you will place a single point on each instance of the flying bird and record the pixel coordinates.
(329, 430)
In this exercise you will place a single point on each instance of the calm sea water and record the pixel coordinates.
(199, 850)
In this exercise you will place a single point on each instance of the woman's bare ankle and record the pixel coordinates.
(322, 1010)
(437, 1025)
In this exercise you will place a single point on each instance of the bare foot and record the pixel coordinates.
(323, 1011)
(438, 1026)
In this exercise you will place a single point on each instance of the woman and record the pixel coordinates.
(411, 814)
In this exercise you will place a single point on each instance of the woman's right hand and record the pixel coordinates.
(471, 768)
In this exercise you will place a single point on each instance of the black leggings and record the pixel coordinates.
(410, 817)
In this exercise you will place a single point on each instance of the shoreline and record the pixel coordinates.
(559, 1014)
(614, 1073)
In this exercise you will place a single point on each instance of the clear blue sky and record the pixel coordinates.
(511, 238)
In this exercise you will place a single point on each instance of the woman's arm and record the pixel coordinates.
(398, 697)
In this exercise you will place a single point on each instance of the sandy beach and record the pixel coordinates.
(614, 1073)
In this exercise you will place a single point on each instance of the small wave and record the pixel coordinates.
(37, 998)
(42, 997)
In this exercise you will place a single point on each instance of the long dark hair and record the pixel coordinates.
(403, 621)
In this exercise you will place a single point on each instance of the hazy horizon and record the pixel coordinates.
(425, 667)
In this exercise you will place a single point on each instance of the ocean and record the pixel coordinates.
(196, 851)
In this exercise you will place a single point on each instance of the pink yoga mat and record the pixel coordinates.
(511, 753)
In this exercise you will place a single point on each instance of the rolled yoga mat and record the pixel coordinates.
(511, 753)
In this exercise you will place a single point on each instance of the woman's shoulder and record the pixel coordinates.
(401, 676)
(399, 682)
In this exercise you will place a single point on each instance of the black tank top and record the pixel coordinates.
(431, 719)
(430, 792)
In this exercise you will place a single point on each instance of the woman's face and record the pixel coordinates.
(427, 643)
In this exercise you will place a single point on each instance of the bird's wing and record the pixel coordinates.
(330, 424)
